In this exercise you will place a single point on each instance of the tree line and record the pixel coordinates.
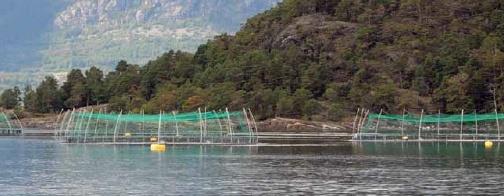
(314, 59)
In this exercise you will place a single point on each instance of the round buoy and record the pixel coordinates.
(405, 137)
(158, 147)
(488, 144)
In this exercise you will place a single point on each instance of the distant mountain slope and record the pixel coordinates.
(24, 25)
(47, 37)
(101, 32)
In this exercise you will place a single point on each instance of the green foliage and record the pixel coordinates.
(48, 96)
(311, 58)
(10, 98)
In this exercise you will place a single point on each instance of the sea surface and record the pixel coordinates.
(46, 167)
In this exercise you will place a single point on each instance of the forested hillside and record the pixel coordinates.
(317, 59)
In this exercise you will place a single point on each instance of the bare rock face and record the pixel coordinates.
(301, 126)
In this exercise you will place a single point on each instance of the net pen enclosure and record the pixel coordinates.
(200, 127)
(430, 127)
(10, 125)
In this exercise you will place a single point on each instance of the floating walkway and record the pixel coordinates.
(201, 127)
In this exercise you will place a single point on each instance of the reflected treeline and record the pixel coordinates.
(429, 149)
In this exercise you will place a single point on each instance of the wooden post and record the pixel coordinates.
(461, 123)
(420, 126)
(378, 123)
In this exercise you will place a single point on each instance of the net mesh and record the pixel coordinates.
(431, 127)
(193, 127)
(9, 126)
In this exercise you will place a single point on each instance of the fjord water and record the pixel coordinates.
(46, 167)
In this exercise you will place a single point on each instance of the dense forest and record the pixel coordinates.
(314, 59)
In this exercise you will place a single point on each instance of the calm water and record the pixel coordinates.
(44, 167)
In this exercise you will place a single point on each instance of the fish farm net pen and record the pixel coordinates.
(201, 127)
(10, 125)
(449, 127)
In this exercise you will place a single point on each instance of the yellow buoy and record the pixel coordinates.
(405, 138)
(158, 147)
(153, 139)
(488, 144)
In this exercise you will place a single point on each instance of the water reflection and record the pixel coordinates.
(49, 168)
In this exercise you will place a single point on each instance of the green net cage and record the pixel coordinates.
(9, 125)
(456, 127)
(201, 127)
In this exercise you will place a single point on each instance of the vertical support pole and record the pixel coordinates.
(359, 119)
(363, 121)
(229, 125)
(205, 124)
(254, 122)
(159, 127)
(355, 120)
(476, 118)
(143, 125)
(498, 126)
(61, 126)
(461, 123)
(80, 121)
(220, 125)
(249, 125)
(96, 126)
(67, 135)
(58, 120)
(87, 125)
(7, 120)
(438, 121)
(19, 122)
(420, 126)
(106, 129)
(176, 122)
(201, 125)
(402, 122)
(378, 123)
(116, 126)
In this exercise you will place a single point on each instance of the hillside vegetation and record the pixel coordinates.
(319, 59)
